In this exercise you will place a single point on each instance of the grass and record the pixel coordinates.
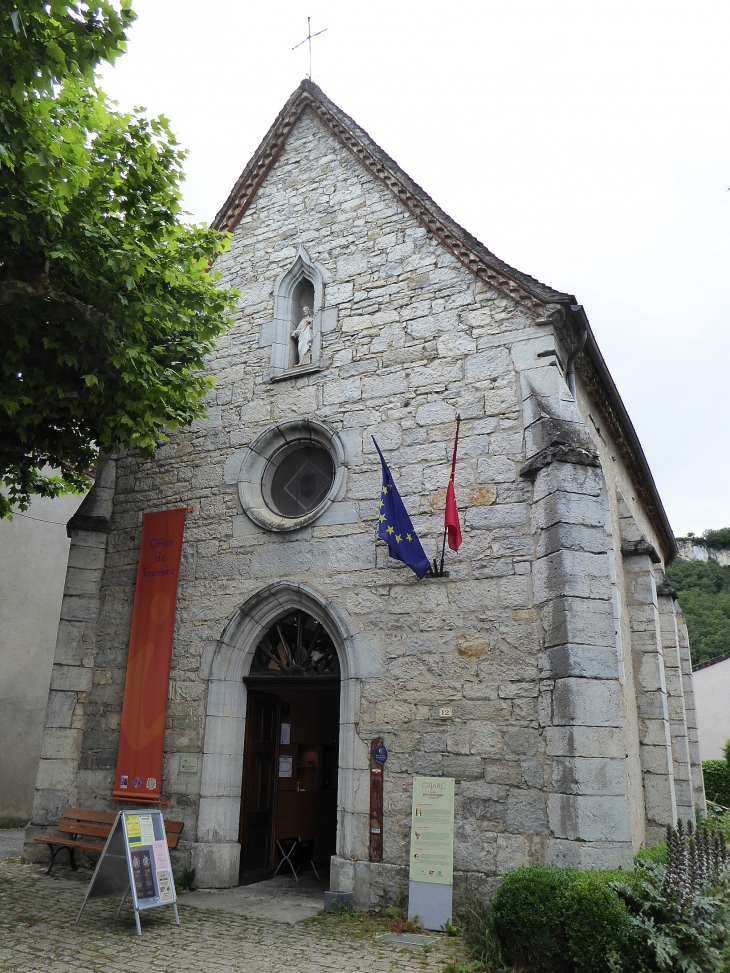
(7, 822)
(27, 919)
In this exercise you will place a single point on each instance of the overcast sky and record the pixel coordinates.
(586, 143)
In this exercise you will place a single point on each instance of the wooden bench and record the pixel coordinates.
(78, 824)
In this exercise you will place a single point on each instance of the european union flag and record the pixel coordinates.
(395, 527)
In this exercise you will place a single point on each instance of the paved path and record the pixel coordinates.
(37, 934)
(11, 842)
(281, 898)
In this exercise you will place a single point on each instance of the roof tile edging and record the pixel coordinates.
(457, 240)
(266, 155)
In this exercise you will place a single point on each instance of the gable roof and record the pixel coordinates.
(522, 288)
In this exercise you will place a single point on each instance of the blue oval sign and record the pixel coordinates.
(380, 754)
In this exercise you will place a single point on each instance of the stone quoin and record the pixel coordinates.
(554, 643)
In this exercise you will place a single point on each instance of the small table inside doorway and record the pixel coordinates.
(294, 850)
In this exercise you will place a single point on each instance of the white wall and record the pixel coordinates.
(33, 555)
(712, 698)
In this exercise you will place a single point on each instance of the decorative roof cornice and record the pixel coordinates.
(467, 249)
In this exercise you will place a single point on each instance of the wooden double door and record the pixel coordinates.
(290, 770)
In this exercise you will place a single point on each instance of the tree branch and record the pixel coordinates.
(12, 289)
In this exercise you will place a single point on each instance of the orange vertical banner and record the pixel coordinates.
(144, 710)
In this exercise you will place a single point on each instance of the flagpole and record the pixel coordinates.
(453, 471)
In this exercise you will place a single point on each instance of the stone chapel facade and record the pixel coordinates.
(555, 639)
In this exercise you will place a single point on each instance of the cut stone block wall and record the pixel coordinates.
(521, 640)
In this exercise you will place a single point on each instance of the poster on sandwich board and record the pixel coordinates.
(135, 860)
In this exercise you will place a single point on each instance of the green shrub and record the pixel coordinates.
(529, 918)
(598, 925)
(670, 935)
(655, 853)
(558, 920)
(609, 876)
(716, 774)
(477, 925)
(671, 914)
(718, 819)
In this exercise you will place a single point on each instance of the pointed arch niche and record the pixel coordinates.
(216, 853)
(303, 285)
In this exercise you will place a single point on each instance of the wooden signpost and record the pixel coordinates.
(378, 756)
(136, 858)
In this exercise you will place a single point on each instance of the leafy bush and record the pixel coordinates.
(528, 911)
(718, 818)
(671, 913)
(598, 925)
(655, 853)
(680, 912)
(669, 935)
(559, 920)
(716, 774)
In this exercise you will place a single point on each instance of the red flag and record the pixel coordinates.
(451, 515)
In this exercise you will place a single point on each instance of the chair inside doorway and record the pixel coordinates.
(290, 759)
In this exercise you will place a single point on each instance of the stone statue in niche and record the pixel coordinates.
(303, 334)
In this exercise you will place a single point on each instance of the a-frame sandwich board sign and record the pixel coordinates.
(135, 858)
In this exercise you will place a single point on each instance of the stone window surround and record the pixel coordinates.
(216, 854)
(277, 333)
(253, 470)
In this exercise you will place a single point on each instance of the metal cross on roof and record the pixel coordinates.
(308, 39)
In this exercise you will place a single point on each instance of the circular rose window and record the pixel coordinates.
(291, 473)
(297, 479)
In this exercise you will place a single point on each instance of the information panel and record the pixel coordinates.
(432, 830)
(135, 859)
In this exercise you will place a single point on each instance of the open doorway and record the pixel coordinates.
(291, 748)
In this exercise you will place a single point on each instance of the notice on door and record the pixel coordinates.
(432, 830)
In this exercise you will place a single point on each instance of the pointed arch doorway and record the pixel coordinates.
(291, 746)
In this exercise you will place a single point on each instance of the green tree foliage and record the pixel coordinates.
(718, 538)
(704, 595)
(107, 306)
(716, 774)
